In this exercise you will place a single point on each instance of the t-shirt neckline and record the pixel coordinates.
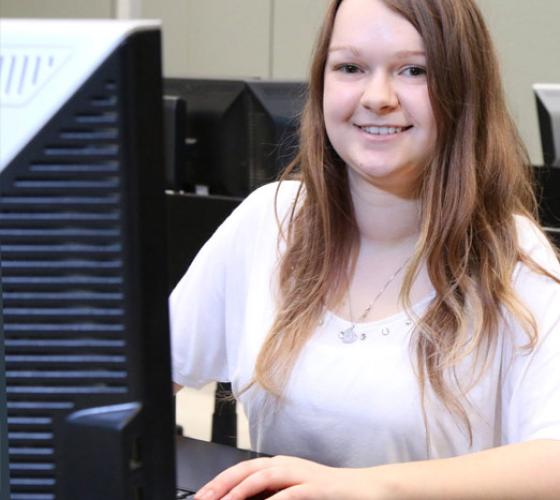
(393, 318)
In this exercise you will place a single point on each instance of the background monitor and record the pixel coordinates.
(82, 258)
(216, 131)
(548, 110)
(274, 109)
(175, 132)
(240, 133)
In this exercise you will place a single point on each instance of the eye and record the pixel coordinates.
(414, 71)
(347, 68)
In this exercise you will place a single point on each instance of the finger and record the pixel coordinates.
(271, 478)
(228, 479)
(297, 492)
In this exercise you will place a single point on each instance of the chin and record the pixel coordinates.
(401, 176)
(379, 171)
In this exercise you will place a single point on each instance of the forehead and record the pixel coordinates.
(371, 24)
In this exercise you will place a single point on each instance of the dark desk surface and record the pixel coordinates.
(199, 461)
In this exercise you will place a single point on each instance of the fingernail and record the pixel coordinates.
(203, 495)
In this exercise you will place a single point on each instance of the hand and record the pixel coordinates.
(287, 478)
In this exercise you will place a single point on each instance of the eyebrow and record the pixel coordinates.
(349, 48)
(401, 54)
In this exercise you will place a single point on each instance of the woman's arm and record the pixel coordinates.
(529, 470)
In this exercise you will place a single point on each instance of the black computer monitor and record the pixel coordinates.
(240, 133)
(548, 110)
(4, 479)
(175, 146)
(82, 257)
(274, 111)
(216, 130)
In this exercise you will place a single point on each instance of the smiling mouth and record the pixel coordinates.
(372, 130)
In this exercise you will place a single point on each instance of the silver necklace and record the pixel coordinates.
(349, 335)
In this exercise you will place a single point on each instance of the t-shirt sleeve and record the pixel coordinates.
(199, 303)
(208, 307)
(531, 379)
(196, 309)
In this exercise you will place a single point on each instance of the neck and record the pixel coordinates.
(385, 219)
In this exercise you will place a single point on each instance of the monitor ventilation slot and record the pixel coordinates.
(62, 281)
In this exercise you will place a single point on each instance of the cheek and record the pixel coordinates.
(330, 110)
(329, 105)
(339, 101)
(418, 105)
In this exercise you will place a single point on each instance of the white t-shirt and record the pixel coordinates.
(356, 404)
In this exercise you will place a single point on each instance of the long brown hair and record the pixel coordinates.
(478, 179)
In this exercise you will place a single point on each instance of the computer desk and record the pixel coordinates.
(197, 462)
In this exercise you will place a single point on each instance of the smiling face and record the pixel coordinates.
(377, 109)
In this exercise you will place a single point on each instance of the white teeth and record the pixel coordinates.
(383, 130)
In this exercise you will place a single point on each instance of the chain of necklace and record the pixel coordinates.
(349, 335)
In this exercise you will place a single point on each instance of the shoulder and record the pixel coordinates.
(257, 217)
(538, 291)
(282, 194)
(534, 244)
(267, 204)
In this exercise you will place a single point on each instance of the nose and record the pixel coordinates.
(380, 95)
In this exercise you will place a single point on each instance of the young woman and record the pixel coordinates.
(393, 314)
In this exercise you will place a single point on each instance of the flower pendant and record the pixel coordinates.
(349, 336)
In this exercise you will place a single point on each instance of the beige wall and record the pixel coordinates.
(527, 37)
(214, 38)
(57, 8)
(237, 38)
(295, 25)
(273, 39)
